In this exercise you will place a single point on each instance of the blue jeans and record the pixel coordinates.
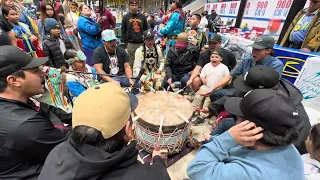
(183, 78)
(124, 81)
(218, 98)
(217, 94)
(224, 126)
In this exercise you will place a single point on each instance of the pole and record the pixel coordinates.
(101, 7)
(165, 5)
(242, 7)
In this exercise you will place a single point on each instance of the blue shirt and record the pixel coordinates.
(301, 29)
(90, 33)
(244, 66)
(224, 159)
(174, 26)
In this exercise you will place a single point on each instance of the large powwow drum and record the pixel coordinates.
(162, 106)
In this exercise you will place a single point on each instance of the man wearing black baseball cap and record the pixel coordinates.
(257, 148)
(263, 77)
(29, 129)
(261, 56)
(228, 59)
(149, 53)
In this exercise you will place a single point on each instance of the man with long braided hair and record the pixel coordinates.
(149, 57)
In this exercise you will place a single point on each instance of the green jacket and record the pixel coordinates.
(310, 41)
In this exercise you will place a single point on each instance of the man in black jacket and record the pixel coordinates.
(181, 60)
(29, 130)
(100, 146)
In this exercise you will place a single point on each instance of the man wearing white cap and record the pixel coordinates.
(112, 59)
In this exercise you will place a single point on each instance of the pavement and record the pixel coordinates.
(178, 171)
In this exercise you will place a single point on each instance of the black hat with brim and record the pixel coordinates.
(232, 105)
(267, 109)
(263, 42)
(13, 59)
(258, 77)
(240, 85)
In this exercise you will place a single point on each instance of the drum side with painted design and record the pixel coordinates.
(154, 106)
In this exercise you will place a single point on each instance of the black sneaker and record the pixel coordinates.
(199, 120)
(212, 110)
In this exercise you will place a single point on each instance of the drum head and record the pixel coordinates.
(154, 106)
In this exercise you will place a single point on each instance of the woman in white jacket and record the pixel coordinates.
(71, 23)
(204, 21)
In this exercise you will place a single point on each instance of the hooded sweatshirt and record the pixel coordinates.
(288, 90)
(224, 159)
(133, 26)
(71, 161)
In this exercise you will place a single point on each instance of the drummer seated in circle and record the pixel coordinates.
(181, 60)
(78, 82)
(100, 146)
(147, 52)
(211, 73)
(112, 59)
(258, 148)
(149, 57)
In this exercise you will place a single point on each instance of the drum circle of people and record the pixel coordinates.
(97, 87)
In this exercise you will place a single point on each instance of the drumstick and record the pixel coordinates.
(152, 89)
(160, 132)
(170, 87)
(136, 117)
(181, 90)
(182, 117)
